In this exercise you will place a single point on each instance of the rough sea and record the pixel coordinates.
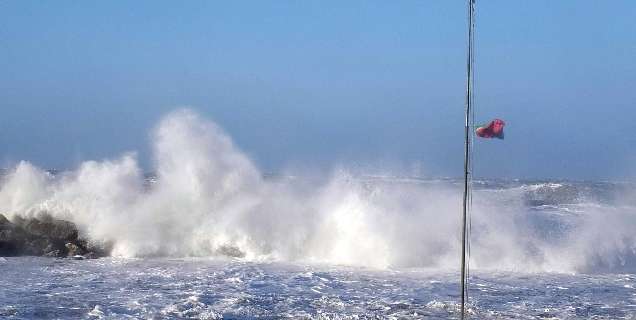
(603, 287)
(208, 236)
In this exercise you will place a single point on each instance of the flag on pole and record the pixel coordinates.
(493, 130)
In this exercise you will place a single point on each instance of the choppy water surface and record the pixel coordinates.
(586, 226)
(572, 256)
(212, 289)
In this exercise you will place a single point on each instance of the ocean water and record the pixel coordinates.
(114, 288)
(221, 287)
(208, 235)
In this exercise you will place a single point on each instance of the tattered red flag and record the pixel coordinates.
(493, 130)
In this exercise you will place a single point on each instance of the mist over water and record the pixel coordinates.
(209, 199)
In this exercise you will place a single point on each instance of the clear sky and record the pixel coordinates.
(377, 84)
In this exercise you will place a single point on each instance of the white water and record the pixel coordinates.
(210, 199)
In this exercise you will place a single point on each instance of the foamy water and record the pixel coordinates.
(164, 288)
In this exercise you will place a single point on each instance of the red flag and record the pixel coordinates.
(493, 130)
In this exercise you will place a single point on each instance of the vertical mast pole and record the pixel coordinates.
(467, 132)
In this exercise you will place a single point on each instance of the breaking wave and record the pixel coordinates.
(209, 199)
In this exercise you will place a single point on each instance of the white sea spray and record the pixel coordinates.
(210, 199)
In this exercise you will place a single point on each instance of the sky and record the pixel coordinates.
(373, 85)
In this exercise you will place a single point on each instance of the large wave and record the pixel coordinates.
(209, 199)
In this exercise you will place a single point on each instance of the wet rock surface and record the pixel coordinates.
(45, 236)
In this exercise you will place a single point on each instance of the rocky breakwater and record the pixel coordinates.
(45, 236)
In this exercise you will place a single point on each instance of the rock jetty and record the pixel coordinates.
(45, 236)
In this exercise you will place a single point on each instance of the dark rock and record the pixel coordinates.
(230, 251)
(4, 220)
(35, 246)
(9, 249)
(74, 250)
(12, 239)
(45, 236)
(46, 226)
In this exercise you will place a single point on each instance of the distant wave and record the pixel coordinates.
(207, 198)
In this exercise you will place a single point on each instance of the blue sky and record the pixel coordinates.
(370, 84)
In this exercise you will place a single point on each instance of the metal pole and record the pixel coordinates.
(467, 154)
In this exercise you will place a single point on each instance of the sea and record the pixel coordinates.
(207, 235)
(539, 250)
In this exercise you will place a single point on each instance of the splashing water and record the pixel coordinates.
(209, 199)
